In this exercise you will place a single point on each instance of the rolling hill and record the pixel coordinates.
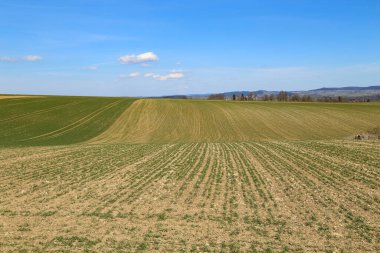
(165, 121)
(155, 175)
(56, 120)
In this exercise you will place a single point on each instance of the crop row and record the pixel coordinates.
(297, 196)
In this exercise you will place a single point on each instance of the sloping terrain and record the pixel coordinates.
(166, 121)
(187, 176)
(67, 120)
(57, 120)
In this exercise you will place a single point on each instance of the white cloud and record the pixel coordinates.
(27, 58)
(141, 58)
(134, 74)
(145, 65)
(174, 74)
(32, 58)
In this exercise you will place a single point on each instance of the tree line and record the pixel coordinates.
(282, 96)
(251, 96)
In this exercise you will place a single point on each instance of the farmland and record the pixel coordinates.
(190, 176)
(13, 96)
(164, 121)
(56, 120)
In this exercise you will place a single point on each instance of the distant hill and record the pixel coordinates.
(344, 91)
(353, 88)
(351, 92)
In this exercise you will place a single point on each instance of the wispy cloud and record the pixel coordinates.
(92, 68)
(174, 74)
(32, 58)
(140, 58)
(7, 59)
(27, 58)
(127, 76)
(134, 74)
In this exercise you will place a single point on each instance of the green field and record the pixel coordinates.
(56, 120)
(187, 176)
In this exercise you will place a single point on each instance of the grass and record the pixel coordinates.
(187, 176)
(167, 121)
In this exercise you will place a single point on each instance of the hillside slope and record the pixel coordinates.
(54, 120)
(164, 121)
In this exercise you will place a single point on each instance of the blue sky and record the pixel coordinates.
(147, 48)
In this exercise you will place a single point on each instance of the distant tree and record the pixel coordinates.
(326, 99)
(242, 98)
(282, 96)
(331, 99)
(271, 97)
(219, 96)
(295, 98)
(307, 99)
(233, 97)
(176, 97)
(266, 97)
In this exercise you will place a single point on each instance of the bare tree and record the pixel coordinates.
(282, 96)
